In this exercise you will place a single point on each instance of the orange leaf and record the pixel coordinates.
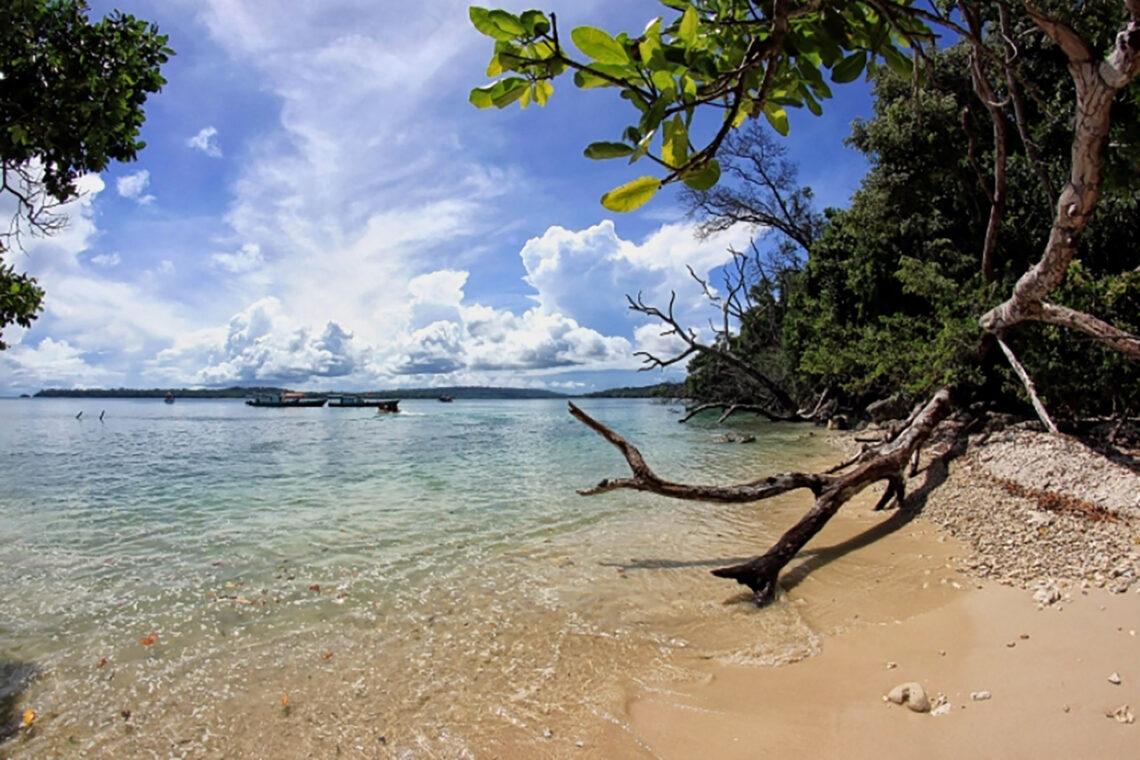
(147, 641)
(102, 663)
(327, 655)
(29, 717)
(284, 700)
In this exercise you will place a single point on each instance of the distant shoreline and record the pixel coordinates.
(660, 390)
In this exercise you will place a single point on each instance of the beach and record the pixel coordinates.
(1033, 655)
(379, 615)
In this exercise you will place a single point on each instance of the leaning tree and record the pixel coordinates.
(735, 60)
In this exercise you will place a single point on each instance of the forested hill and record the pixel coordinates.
(240, 392)
(661, 390)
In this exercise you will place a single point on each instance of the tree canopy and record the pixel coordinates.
(71, 102)
(978, 166)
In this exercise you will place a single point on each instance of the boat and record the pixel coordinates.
(447, 398)
(286, 399)
(169, 397)
(380, 404)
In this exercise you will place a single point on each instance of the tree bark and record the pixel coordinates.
(831, 491)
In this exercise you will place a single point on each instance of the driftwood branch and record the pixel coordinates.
(831, 491)
(644, 479)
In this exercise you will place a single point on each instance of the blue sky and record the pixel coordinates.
(319, 207)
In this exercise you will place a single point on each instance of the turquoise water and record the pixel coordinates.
(265, 547)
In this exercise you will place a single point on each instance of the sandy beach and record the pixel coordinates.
(1015, 665)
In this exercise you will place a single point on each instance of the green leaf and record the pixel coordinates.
(599, 45)
(777, 117)
(481, 20)
(507, 91)
(543, 89)
(632, 195)
(849, 69)
(498, 24)
(687, 32)
(508, 23)
(898, 62)
(535, 22)
(675, 146)
(481, 97)
(702, 177)
(601, 150)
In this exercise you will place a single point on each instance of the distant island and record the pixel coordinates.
(660, 390)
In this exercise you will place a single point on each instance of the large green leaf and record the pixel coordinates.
(599, 45)
(632, 195)
(704, 176)
(481, 97)
(849, 69)
(535, 22)
(498, 24)
(601, 150)
(687, 32)
(675, 146)
(777, 117)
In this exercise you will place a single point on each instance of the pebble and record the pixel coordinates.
(910, 694)
(1122, 714)
(1114, 678)
(980, 696)
(892, 665)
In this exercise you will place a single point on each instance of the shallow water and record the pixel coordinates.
(323, 581)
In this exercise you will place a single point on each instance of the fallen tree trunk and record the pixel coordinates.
(832, 491)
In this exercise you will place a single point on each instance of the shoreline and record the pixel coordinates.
(1035, 655)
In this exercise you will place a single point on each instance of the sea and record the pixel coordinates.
(209, 579)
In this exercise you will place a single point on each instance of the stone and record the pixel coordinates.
(1122, 714)
(1114, 679)
(980, 696)
(910, 694)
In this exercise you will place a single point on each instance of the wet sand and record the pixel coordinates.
(1047, 670)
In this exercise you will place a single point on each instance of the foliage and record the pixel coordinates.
(970, 145)
(71, 101)
(20, 299)
(732, 58)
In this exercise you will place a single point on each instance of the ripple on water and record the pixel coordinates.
(427, 581)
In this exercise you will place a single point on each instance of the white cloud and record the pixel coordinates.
(53, 363)
(587, 274)
(133, 185)
(206, 141)
(107, 260)
(246, 259)
(264, 345)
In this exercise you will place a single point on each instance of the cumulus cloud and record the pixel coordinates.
(263, 345)
(246, 259)
(206, 141)
(587, 274)
(133, 186)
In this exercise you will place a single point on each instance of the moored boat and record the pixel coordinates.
(286, 399)
(380, 404)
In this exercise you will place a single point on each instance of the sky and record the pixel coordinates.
(319, 207)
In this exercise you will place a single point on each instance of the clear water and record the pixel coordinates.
(422, 584)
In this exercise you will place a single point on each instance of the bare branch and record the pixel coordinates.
(1030, 388)
(644, 479)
